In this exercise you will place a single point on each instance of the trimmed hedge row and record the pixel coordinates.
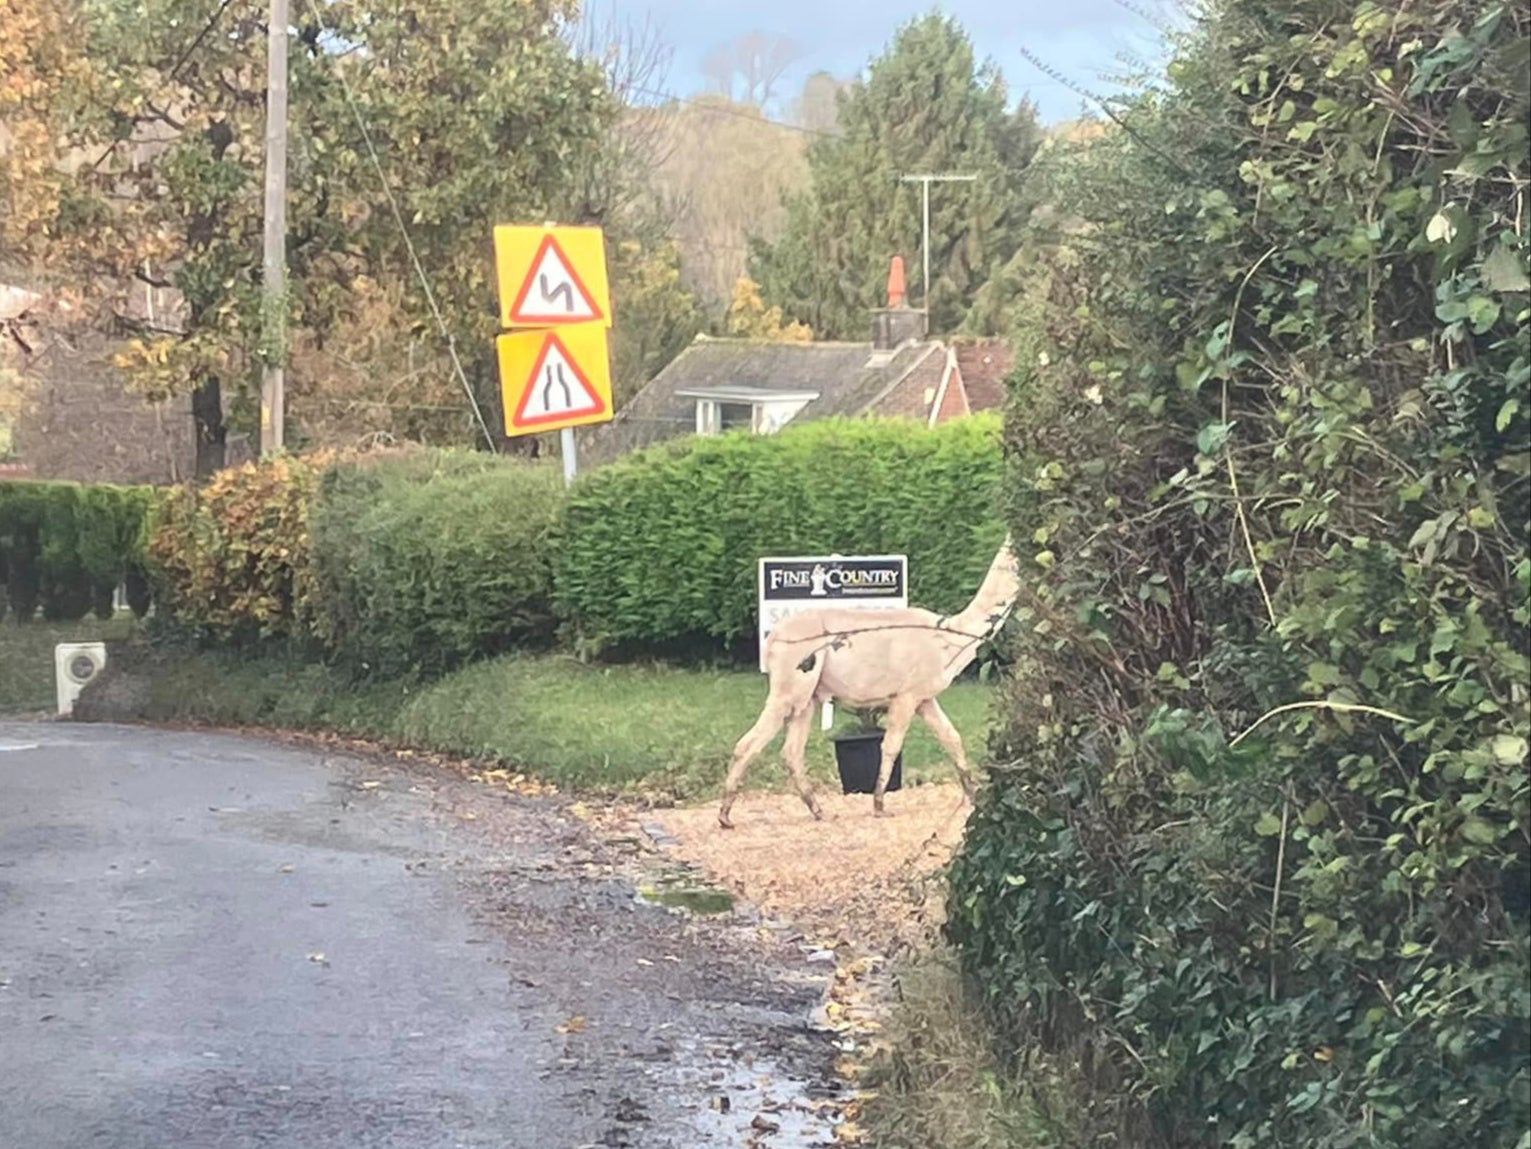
(66, 547)
(662, 547)
(393, 563)
(419, 561)
(428, 561)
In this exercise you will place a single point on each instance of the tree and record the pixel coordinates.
(750, 66)
(724, 172)
(478, 115)
(925, 106)
(749, 317)
(817, 109)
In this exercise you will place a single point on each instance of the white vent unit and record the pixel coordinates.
(75, 664)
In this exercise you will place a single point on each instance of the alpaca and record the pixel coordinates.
(898, 659)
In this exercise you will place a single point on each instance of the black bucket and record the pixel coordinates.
(859, 755)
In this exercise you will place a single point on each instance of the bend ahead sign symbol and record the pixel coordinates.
(551, 276)
(553, 291)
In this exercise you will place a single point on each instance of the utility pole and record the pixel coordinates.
(926, 181)
(274, 298)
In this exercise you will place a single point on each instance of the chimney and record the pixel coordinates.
(898, 323)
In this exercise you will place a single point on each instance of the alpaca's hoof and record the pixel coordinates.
(724, 821)
(817, 811)
(880, 812)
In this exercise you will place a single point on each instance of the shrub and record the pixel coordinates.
(430, 559)
(233, 559)
(1256, 858)
(66, 547)
(662, 547)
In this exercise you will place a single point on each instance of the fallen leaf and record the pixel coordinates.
(764, 1124)
(575, 1024)
(370, 785)
(318, 957)
(287, 869)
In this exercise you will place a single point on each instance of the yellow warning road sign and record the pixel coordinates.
(553, 378)
(550, 276)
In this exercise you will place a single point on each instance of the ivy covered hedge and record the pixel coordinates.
(1254, 870)
(662, 547)
(66, 547)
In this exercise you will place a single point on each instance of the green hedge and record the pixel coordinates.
(661, 548)
(393, 563)
(66, 547)
(1256, 869)
(431, 559)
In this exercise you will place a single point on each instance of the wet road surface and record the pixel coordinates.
(212, 941)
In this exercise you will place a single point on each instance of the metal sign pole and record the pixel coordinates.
(569, 453)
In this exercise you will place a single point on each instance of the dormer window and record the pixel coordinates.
(759, 410)
(714, 416)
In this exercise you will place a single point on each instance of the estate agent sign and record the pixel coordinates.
(790, 586)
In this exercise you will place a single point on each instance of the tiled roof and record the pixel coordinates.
(844, 375)
(985, 364)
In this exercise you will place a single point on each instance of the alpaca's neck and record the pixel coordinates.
(994, 596)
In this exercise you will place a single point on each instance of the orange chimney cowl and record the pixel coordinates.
(896, 282)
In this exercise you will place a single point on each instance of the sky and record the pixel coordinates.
(1082, 39)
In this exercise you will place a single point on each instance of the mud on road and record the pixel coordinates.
(214, 940)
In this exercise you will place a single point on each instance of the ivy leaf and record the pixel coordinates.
(1510, 749)
(1502, 272)
(1441, 228)
(1211, 438)
(1268, 825)
(1482, 313)
(1323, 674)
(1506, 414)
(1479, 832)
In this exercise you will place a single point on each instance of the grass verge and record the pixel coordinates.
(26, 657)
(663, 730)
(938, 1084)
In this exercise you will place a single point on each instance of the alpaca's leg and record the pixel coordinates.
(794, 752)
(795, 670)
(950, 740)
(900, 715)
(747, 749)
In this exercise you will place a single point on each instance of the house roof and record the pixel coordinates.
(985, 365)
(844, 376)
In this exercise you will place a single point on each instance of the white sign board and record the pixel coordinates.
(789, 586)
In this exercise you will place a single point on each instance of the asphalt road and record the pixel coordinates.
(211, 941)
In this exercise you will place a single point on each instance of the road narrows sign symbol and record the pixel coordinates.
(557, 389)
(553, 291)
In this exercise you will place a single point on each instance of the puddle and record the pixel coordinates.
(743, 1099)
(680, 889)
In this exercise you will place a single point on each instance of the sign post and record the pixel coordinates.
(555, 311)
(791, 586)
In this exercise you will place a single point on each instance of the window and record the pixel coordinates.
(736, 416)
(714, 416)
